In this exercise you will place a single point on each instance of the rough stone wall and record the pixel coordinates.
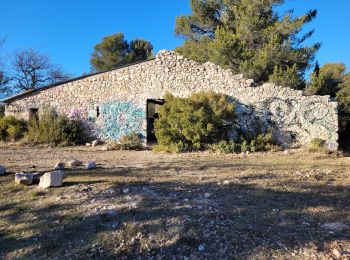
(114, 103)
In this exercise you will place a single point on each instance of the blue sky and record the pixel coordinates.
(67, 30)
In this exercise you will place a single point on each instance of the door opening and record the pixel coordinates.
(153, 106)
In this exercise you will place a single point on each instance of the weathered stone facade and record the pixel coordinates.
(114, 103)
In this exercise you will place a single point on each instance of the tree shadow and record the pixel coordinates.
(234, 221)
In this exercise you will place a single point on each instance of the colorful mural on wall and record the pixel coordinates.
(121, 118)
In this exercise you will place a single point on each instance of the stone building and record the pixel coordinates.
(123, 100)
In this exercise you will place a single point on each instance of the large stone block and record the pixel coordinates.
(51, 179)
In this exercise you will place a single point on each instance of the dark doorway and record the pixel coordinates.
(153, 106)
(33, 113)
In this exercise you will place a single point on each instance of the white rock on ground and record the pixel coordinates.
(51, 179)
(88, 144)
(95, 143)
(91, 165)
(59, 166)
(207, 195)
(74, 163)
(335, 226)
(24, 178)
(2, 170)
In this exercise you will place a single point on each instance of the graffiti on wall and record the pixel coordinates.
(121, 118)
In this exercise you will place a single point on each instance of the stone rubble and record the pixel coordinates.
(59, 166)
(74, 163)
(51, 179)
(296, 118)
(24, 178)
(91, 165)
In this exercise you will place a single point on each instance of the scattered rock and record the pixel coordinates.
(86, 189)
(111, 212)
(95, 142)
(105, 148)
(226, 182)
(24, 178)
(114, 224)
(125, 191)
(207, 195)
(74, 163)
(2, 170)
(110, 191)
(90, 165)
(59, 166)
(286, 152)
(336, 253)
(201, 247)
(88, 144)
(335, 226)
(51, 179)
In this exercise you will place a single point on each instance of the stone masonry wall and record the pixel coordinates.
(114, 103)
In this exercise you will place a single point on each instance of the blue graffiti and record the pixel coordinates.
(121, 118)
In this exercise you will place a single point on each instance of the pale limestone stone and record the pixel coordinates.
(24, 178)
(306, 117)
(51, 179)
(74, 163)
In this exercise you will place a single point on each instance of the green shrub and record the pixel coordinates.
(2, 111)
(317, 145)
(245, 147)
(131, 141)
(186, 124)
(74, 132)
(265, 142)
(12, 128)
(226, 147)
(52, 128)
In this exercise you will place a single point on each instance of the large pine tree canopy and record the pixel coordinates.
(249, 37)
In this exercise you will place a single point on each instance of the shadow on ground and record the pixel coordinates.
(258, 213)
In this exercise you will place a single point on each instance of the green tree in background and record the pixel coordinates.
(333, 80)
(327, 80)
(249, 37)
(115, 51)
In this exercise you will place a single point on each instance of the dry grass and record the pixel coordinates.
(262, 206)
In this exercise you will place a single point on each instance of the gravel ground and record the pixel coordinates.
(189, 206)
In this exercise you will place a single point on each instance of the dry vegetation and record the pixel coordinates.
(261, 206)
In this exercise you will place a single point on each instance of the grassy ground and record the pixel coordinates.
(258, 206)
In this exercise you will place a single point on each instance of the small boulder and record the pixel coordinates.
(51, 179)
(207, 195)
(95, 142)
(2, 170)
(90, 165)
(59, 166)
(88, 144)
(105, 148)
(74, 163)
(335, 226)
(24, 178)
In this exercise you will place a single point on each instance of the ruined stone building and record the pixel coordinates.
(123, 100)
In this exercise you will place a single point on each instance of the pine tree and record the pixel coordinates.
(249, 37)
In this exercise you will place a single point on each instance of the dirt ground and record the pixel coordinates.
(189, 206)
